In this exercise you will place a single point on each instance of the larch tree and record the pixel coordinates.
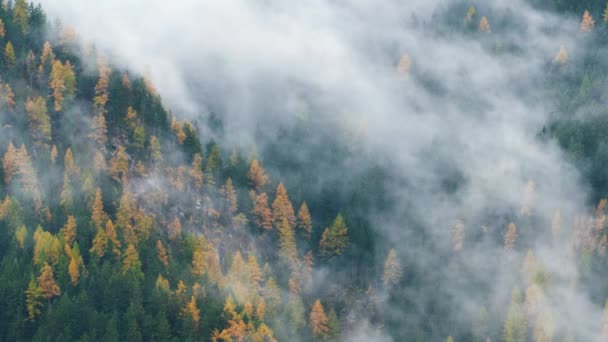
(47, 284)
(392, 269)
(20, 236)
(7, 97)
(131, 262)
(484, 25)
(196, 171)
(282, 208)
(335, 238)
(9, 56)
(257, 176)
(562, 56)
(63, 83)
(304, 220)
(54, 154)
(318, 321)
(100, 244)
(514, 329)
(255, 272)
(163, 256)
(98, 215)
(230, 198)
(101, 88)
(192, 312)
(99, 129)
(119, 165)
(39, 122)
(544, 327)
(9, 163)
(262, 216)
(288, 251)
(510, 237)
(113, 238)
(587, 22)
(21, 16)
(471, 12)
(155, 151)
(32, 300)
(68, 231)
(47, 58)
(199, 262)
(66, 199)
(175, 229)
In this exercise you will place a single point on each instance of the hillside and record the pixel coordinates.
(445, 181)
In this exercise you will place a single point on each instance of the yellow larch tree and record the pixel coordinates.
(9, 56)
(32, 300)
(318, 321)
(392, 269)
(304, 221)
(257, 176)
(68, 231)
(39, 122)
(262, 215)
(484, 25)
(163, 256)
(282, 208)
(587, 22)
(47, 284)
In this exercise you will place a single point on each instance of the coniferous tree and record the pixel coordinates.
(392, 269)
(318, 321)
(46, 282)
(257, 176)
(335, 238)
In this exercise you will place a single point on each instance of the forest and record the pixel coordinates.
(122, 219)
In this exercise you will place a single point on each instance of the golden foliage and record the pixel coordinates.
(63, 82)
(47, 284)
(9, 55)
(587, 22)
(262, 216)
(484, 25)
(131, 260)
(163, 256)
(304, 221)
(119, 165)
(318, 321)
(175, 229)
(20, 236)
(256, 176)
(101, 88)
(196, 171)
(32, 300)
(39, 122)
(69, 230)
(282, 208)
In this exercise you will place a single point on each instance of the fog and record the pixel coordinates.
(472, 104)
